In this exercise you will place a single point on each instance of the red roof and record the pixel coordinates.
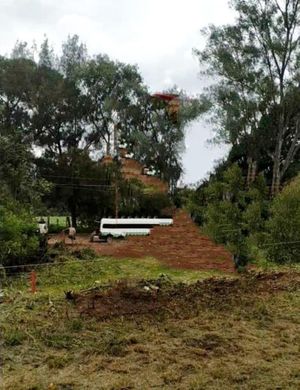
(165, 96)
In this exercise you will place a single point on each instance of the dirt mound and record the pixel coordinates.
(181, 245)
(146, 297)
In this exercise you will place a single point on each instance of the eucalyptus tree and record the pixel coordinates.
(111, 89)
(16, 84)
(47, 57)
(158, 137)
(74, 55)
(256, 62)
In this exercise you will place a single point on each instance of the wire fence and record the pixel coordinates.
(75, 273)
(59, 277)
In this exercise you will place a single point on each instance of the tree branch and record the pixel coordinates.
(295, 146)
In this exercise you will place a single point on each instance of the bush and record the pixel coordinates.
(18, 238)
(284, 225)
(157, 204)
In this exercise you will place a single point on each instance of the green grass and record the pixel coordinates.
(262, 264)
(55, 220)
(249, 342)
(58, 222)
(73, 274)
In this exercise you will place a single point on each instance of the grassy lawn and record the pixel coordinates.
(56, 220)
(250, 341)
(75, 274)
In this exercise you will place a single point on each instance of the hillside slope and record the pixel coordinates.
(181, 245)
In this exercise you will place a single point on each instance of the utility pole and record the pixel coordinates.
(116, 173)
(116, 199)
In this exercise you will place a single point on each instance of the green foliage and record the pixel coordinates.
(81, 187)
(229, 211)
(245, 219)
(157, 141)
(136, 201)
(155, 205)
(18, 240)
(255, 102)
(18, 173)
(283, 227)
(74, 109)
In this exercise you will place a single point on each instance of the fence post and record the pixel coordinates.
(33, 282)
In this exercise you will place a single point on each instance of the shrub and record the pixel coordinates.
(18, 238)
(155, 205)
(284, 225)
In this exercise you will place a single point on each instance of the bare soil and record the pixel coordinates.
(181, 245)
(237, 333)
(148, 297)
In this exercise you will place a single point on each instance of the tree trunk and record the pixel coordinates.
(73, 211)
(116, 139)
(108, 146)
(277, 156)
(293, 150)
(252, 170)
(276, 168)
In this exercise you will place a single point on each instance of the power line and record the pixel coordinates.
(281, 243)
(85, 185)
(82, 262)
(87, 188)
(75, 178)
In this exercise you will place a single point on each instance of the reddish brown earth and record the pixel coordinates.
(181, 246)
(154, 296)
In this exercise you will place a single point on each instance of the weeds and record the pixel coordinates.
(115, 344)
(245, 338)
(13, 337)
(58, 361)
(58, 340)
(76, 325)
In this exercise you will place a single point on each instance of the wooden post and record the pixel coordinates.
(33, 282)
(116, 200)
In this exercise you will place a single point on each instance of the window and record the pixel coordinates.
(127, 226)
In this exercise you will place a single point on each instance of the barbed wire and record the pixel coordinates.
(78, 261)
(100, 259)
(75, 178)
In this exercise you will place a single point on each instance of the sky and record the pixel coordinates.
(156, 35)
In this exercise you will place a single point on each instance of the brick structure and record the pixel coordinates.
(106, 160)
(132, 169)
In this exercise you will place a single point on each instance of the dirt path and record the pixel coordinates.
(181, 246)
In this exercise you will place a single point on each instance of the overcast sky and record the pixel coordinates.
(157, 35)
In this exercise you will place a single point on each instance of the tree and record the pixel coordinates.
(256, 60)
(16, 83)
(111, 89)
(80, 186)
(68, 110)
(18, 239)
(74, 55)
(156, 139)
(21, 50)
(231, 212)
(58, 112)
(46, 55)
(283, 227)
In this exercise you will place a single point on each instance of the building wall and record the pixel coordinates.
(132, 169)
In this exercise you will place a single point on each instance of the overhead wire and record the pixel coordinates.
(74, 178)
